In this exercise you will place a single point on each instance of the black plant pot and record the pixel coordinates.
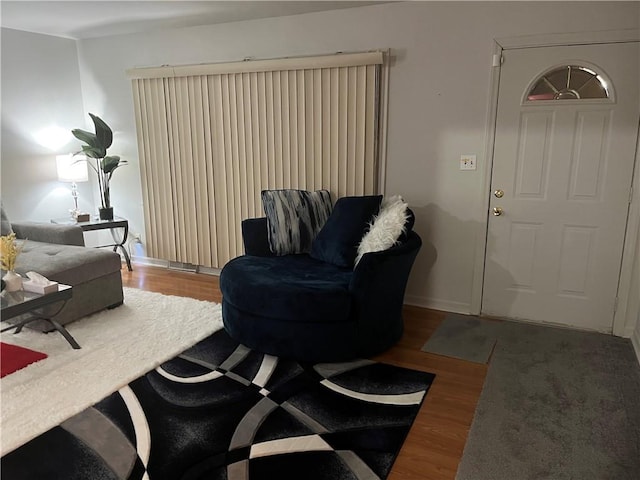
(106, 213)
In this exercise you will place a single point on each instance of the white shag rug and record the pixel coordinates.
(118, 346)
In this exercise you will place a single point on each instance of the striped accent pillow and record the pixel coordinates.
(294, 218)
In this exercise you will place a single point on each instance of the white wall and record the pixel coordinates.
(40, 93)
(635, 339)
(439, 99)
(633, 305)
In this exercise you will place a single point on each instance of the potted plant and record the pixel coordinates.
(96, 145)
(9, 251)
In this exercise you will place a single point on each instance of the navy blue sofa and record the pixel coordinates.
(295, 306)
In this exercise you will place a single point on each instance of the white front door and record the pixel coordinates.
(561, 183)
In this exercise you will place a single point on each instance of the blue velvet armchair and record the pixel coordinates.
(295, 306)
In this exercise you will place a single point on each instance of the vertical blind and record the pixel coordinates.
(212, 137)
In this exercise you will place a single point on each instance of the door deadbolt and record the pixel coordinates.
(498, 193)
(497, 211)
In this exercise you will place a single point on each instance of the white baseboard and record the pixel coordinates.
(628, 331)
(209, 271)
(438, 304)
(635, 341)
(153, 262)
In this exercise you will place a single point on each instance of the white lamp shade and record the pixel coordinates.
(72, 168)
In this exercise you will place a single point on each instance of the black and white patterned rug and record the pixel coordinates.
(222, 411)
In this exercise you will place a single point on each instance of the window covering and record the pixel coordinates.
(212, 137)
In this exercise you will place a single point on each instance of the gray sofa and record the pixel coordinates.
(58, 253)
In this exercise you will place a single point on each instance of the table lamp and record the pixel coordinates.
(73, 168)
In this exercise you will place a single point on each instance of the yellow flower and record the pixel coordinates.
(9, 251)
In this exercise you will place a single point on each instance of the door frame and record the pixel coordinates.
(624, 322)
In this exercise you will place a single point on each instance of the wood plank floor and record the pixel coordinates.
(435, 443)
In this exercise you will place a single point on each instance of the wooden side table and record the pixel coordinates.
(97, 224)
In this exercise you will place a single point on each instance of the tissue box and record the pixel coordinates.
(31, 286)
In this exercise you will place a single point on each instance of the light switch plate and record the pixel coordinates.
(467, 162)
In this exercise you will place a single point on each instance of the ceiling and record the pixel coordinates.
(87, 19)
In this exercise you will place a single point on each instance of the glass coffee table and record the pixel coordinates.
(32, 305)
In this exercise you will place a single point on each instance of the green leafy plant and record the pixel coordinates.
(95, 147)
(9, 251)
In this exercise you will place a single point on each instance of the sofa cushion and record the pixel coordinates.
(337, 242)
(67, 264)
(294, 217)
(5, 224)
(49, 233)
(293, 288)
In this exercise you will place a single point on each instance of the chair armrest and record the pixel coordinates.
(49, 233)
(387, 270)
(255, 235)
(377, 287)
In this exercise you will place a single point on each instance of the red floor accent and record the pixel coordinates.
(14, 358)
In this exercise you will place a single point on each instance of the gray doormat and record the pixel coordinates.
(465, 337)
(556, 404)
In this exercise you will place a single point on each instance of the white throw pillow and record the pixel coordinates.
(386, 228)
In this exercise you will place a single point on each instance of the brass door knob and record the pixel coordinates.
(498, 193)
(497, 211)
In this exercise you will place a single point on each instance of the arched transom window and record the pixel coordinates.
(569, 82)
